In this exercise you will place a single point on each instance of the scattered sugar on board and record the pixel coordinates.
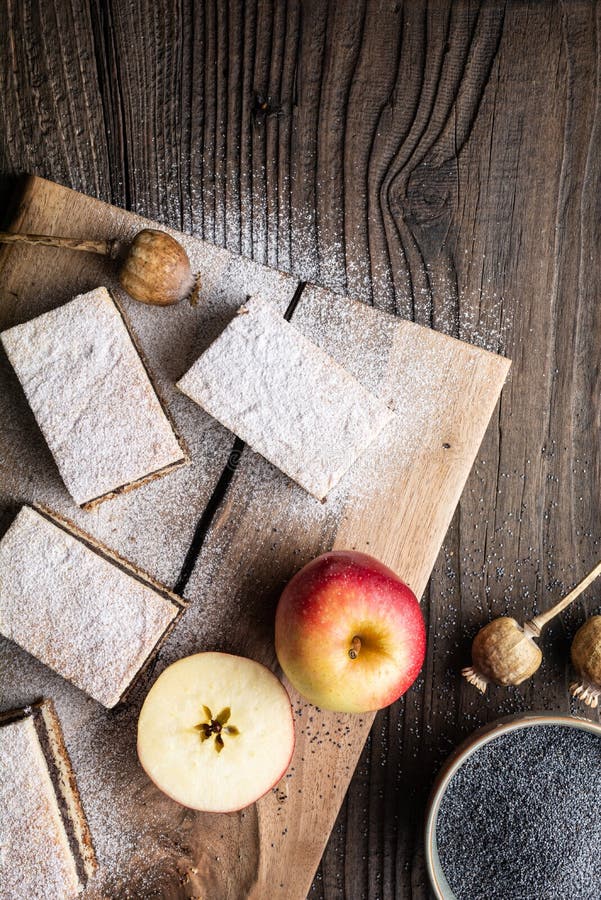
(170, 340)
(421, 391)
(520, 818)
(103, 745)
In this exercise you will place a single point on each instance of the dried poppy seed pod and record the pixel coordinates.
(503, 652)
(156, 269)
(586, 659)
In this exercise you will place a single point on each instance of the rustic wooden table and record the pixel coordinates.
(441, 161)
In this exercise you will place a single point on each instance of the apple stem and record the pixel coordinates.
(355, 648)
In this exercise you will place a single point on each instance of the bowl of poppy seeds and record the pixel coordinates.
(515, 814)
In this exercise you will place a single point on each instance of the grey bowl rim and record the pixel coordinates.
(481, 736)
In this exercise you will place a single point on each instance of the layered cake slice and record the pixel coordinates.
(286, 398)
(78, 607)
(93, 399)
(46, 848)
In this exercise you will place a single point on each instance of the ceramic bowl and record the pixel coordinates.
(482, 736)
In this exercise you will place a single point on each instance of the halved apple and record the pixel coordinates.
(216, 731)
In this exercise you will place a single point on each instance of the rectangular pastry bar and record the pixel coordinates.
(286, 398)
(92, 398)
(46, 847)
(78, 607)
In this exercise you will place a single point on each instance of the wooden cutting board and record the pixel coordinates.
(250, 529)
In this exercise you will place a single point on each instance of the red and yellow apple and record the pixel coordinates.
(216, 731)
(349, 634)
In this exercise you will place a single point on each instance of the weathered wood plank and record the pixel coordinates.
(396, 504)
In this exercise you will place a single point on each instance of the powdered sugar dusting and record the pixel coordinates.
(35, 858)
(419, 373)
(72, 609)
(102, 748)
(414, 371)
(285, 398)
(91, 396)
(154, 524)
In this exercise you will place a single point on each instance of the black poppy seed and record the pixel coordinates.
(521, 819)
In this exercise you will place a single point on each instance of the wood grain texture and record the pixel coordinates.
(467, 196)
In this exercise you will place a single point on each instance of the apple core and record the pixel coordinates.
(216, 731)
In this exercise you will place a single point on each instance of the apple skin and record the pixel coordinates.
(333, 599)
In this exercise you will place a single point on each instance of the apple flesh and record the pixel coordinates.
(349, 634)
(216, 731)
